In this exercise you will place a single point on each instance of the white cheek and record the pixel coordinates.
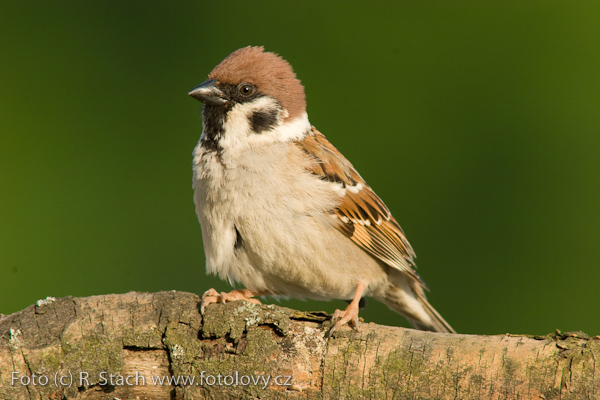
(236, 127)
(293, 130)
(238, 130)
(239, 135)
(283, 132)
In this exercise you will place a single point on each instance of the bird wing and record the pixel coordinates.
(362, 216)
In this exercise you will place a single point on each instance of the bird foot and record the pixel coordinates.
(212, 296)
(348, 316)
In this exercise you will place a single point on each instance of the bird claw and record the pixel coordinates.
(348, 316)
(212, 296)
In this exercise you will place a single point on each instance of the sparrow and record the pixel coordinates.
(282, 211)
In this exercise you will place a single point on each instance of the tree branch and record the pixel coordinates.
(121, 346)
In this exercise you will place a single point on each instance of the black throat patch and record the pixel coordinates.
(213, 119)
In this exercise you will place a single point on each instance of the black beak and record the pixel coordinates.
(209, 93)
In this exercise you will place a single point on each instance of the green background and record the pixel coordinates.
(478, 123)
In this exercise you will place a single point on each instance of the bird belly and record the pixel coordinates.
(278, 240)
(305, 260)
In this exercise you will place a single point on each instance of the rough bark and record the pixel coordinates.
(148, 335)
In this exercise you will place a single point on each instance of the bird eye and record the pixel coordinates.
(246, 89)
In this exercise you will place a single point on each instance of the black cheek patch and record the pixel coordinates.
(263, 120)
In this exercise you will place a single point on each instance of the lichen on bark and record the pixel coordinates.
(163, 334)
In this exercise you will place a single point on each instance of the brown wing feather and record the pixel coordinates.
(362, 216)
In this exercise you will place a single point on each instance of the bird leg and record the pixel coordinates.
(350, 314)
(212, 296)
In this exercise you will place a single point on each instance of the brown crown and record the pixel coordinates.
(270, 73)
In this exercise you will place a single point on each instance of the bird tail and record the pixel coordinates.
(415, 308)
(438, 323)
